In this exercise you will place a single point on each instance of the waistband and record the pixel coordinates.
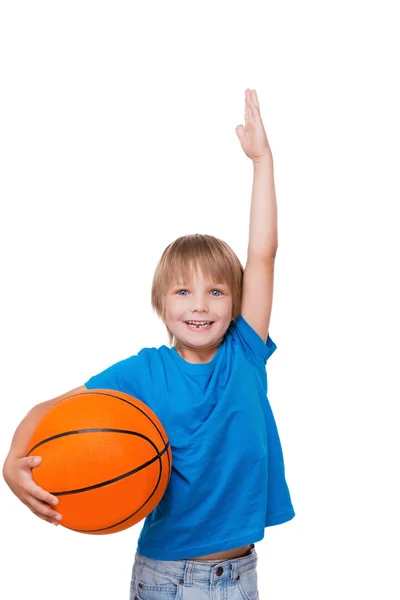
(204, 570)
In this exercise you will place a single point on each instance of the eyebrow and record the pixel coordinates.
(189, 283)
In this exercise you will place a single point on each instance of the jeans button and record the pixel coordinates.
(219, 571)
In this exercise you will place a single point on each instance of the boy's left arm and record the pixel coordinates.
(258, 278)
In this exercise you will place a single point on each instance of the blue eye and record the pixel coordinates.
(179, 294)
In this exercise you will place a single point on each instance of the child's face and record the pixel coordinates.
(198, 300)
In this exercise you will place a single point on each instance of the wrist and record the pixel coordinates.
(263, 159)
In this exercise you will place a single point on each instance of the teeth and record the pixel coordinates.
(198, 323)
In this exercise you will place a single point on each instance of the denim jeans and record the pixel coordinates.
(229, 579)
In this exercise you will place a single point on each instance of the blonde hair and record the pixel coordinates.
(211, 255)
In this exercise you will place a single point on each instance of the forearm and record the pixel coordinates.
(24, 431)
(263, 234)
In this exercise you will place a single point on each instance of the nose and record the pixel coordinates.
(199, 303)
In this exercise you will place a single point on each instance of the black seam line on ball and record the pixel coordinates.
(113, 525)
(91, 392)
(88, 392)
(104, 483)
(90, 430)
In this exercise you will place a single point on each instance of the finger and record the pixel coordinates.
(241, 133)
(40, 494)
(29, 462)
(34, 489)
(257, 113)
(42, 510)
(246, 105)
(29, 489)
(44, 518)
(255, 99)
(253, 109)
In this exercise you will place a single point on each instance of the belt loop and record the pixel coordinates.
(234, 570)
(188, 573)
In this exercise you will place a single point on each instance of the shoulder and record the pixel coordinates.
(152, 359)
(249, 341)
(153, 354)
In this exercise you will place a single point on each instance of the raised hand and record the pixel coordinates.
(252, 136)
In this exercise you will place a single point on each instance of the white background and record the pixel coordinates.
(117, 136)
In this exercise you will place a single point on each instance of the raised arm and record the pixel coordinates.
(258, 278)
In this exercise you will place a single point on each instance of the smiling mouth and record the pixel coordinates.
(199, 324)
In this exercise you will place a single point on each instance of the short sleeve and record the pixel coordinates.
(123, 376)
(252, 344)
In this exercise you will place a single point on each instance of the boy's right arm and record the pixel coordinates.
(17, 468)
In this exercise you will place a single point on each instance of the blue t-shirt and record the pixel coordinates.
(228, 477)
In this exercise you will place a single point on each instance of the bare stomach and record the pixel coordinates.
(234, 553)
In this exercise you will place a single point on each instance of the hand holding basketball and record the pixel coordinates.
(105, 456)
(18, 476)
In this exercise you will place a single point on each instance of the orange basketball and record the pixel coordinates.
(107, 458)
